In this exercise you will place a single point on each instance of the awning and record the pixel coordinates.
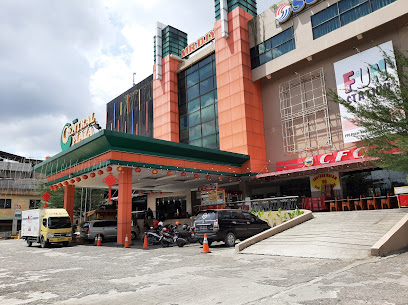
(342, 165)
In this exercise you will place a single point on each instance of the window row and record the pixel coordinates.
(272, 48)
(198, 107)
(342, 13)
(201, 116)
(5, 203)
(197, 76)
(195, 67)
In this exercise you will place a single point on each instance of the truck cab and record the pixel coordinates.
(46, 226)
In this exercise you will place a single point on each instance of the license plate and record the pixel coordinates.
(203, 228)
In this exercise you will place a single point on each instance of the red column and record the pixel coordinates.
(240, 114)
(124, 205)
(69, 196)
(165, 102)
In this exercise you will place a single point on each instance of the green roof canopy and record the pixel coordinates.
(106, 140)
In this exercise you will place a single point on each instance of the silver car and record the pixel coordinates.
(108, 229)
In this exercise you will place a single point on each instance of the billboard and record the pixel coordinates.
(366, 71)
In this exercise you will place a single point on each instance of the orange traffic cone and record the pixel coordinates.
(206, 248)
(99, 242)
(126, 242)
(145, 243)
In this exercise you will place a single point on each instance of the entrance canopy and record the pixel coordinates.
(157, 165)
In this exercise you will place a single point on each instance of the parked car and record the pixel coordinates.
(108, 229)
(227, 225)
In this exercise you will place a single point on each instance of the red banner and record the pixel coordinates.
(332, 158)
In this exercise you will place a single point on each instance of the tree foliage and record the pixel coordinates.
(384, 116)
(95, 198)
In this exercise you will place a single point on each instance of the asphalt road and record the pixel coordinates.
(85, 274)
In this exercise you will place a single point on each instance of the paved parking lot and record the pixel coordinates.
(85, 274)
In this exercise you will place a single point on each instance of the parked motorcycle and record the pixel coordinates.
(170, 235)
(153, 237)
(188, 233)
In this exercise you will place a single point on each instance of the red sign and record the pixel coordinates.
(202, 41)
(332, 158)
(403, 201)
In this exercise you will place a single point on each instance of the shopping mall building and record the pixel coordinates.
(246, 107)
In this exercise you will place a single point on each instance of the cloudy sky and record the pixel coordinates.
(61, 60)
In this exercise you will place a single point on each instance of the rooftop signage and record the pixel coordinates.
(78, 131)
(201, 42)
(284, 11)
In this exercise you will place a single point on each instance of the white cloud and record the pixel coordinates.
(62, 60)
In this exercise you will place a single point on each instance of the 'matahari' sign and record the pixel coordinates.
(77, 131)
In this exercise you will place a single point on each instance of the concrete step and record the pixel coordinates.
(332, 235)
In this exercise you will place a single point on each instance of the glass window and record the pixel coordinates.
(183, 122)
(261, 48)
(282, 37)
(272, 48)
(197, 104)
(283, 48)
(206, 71)
(192, 69)
(346, 5)
(210, 142)
(325, 15)
(194, 105)
(192, 92)
(184, 134)
(194, 132)
(206, 85)
(192, 79)
(205, 61)
(196, 142)
(34, 203)
(2, 203)
(377, 4)
(209, 128)
(264, 58)
(7, 204)
(355, 13)
(325, 28)
(207, 114)
(194, 118)
(342, 13)
(207, 99)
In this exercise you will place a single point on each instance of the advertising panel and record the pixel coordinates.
(357, 75)
(325, 182)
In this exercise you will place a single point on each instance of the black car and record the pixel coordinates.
(227, 225)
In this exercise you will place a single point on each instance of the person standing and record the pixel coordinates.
(149, 213)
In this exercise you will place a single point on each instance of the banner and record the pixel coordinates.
(366, 71)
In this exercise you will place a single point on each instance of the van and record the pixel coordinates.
(108, 229)
(227, 225)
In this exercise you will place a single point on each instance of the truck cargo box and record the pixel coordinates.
(31, 223)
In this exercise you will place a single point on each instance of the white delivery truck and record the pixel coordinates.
(46, 226)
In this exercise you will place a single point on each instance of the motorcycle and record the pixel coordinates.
(171, 236)
(188, 233)
(153, 238)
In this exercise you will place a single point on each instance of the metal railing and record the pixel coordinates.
(269, 204)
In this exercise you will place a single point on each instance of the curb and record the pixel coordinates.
(273, 231)
(395, 240)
